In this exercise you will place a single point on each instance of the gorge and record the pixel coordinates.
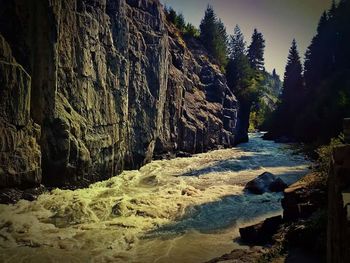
(128, 134)
(96, 87)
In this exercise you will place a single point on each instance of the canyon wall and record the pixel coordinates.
(338, 235)
(92, 87)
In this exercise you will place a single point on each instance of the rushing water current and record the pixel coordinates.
(180, 210)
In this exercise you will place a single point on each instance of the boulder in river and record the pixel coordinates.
(266, 182)
(278, 185)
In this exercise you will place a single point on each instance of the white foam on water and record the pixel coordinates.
(180, 210)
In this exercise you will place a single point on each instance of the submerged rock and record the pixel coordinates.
(266, 182)
(13, 195)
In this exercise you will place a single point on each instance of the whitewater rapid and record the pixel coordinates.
(180, 210)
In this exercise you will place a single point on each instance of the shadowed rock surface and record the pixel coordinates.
(110, 84)
(338, 235)
(260, 234)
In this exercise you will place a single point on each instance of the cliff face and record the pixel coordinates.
(109, 83)
(20, 162)
(338, 236)
(200, 111)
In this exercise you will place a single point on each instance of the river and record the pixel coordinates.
(179, 210)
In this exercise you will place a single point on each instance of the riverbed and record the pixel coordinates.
(179, 210)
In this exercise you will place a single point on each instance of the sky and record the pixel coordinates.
(279, 20)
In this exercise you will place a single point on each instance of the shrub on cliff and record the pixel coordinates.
(325, 154)
(179, 21)
(191, 30)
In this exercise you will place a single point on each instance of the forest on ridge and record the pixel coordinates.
(313, 97)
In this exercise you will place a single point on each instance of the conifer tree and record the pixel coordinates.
(256, 51)
(237, 45)
(171, 14)
(276, 85)
(213, 36)
(293, 80)
(327, 83)
(208, 28)
(180, 22)
(292, 91)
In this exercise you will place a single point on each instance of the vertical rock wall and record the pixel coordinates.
(20, 157)
(338, 206)
(200, 112)
(112, 85)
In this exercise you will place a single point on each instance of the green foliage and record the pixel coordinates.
(261, 113)
(213, 36)
(265, 104)
(293, 80)
(256, 51)
(292, 95)
(237, 45)
(179, 21)
(191, 30)
(325, 154)
(170, 14)
(325, 100)
(254, 88)
(240, 78)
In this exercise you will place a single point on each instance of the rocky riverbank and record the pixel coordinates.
(291, 238)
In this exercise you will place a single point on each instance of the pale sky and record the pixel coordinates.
(279, 20)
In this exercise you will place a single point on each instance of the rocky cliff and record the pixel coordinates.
(92, 87)
(338, 236)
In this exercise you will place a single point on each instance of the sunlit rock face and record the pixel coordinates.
(200, 111)
(112, 85)
(19, 151)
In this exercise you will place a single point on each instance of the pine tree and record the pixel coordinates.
(327, 82)
(208, 28)
(293, 80)
(220, 43)
(237, 45)
(256, 51)
(171, 15)
(191, 30)
(180, 22)
(213, 36)
(292, 93)
(277, 84)
(320, 54)
(274, 74)
(240, 76)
